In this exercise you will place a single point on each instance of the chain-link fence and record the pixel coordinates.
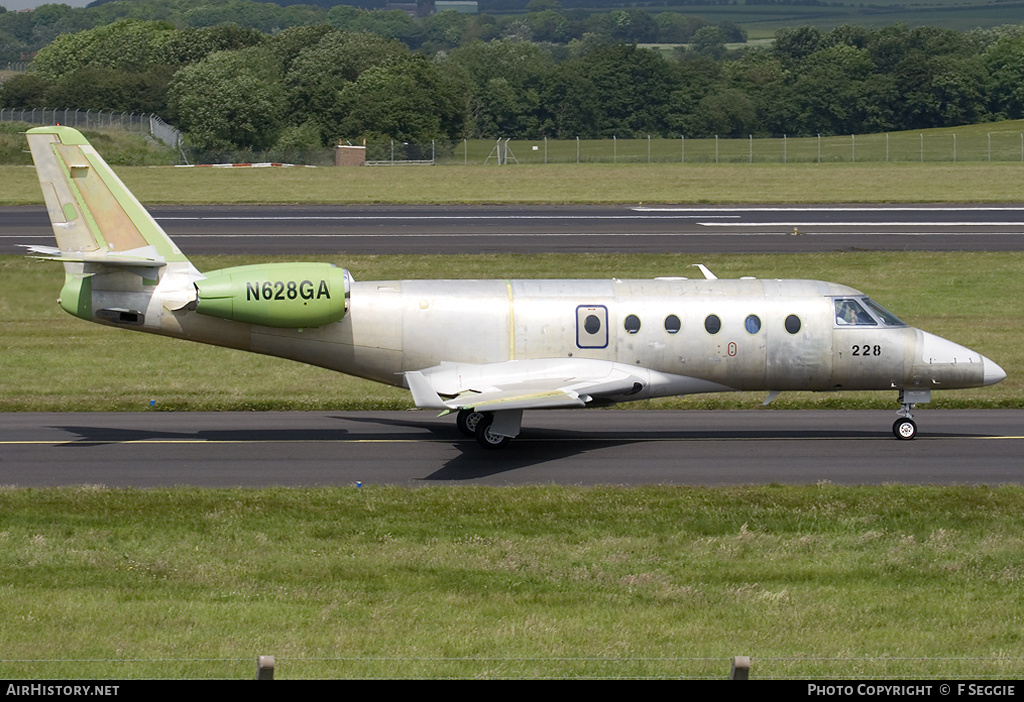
(953, 146)
(98, 119)
(933, 146)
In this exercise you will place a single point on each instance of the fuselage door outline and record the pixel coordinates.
(591, 327)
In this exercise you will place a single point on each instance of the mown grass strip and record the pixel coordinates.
(560, 184)
(814, 581)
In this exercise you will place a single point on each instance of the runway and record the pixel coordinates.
(584, 447)
(337, 229)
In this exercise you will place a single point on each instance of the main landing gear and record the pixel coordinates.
(478, 425)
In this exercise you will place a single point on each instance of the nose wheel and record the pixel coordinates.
(905, 428)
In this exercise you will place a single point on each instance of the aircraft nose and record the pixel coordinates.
(993, 373)
(944, 363)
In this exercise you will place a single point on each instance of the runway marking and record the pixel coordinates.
(521, 439)
(416, 218)
(763, 226)
(864, 224)
(850, 208)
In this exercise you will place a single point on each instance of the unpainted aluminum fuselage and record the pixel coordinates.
(659, 325)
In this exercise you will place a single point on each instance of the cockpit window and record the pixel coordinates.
(863, 312)
(850, 313)
(888, 318)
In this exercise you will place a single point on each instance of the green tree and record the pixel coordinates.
(103, 88)
(508, 78)
(796, 43)
(192, 44)
(676, 28)
(405, 97)
(827, 91)
(230, 99)
(126, 44)
(729, 113)
(1003, 65)
(25, 90)
(709, 41)
(614, 90)
(318, 73)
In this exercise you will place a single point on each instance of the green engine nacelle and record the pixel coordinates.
(285, 295)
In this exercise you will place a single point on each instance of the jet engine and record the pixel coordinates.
(284, 295)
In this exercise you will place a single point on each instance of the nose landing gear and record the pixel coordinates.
(905, 428)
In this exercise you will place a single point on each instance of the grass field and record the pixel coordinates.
(812, 582)
(564, 183)
(762, 21)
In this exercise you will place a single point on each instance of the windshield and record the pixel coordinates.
(883, 314)
(863, 312)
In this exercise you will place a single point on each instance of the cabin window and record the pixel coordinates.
(851, 313)
(672, 324)
(592, 324)
(792, 324)
(752, 324)
(712, 324)
(632, 324)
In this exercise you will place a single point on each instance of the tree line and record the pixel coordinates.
(308, 86)
(23, 33)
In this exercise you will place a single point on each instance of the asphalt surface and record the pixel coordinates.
(297, 229)
(583, 447)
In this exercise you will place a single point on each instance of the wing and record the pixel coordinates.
(531, 384)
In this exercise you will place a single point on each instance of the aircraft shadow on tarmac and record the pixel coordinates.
(533, 447)
(536, 446)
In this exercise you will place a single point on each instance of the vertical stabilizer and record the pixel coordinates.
(120, 267)
(93, 214)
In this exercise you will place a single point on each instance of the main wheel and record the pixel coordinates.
(487, 438)
(467, 420)
(904, 428)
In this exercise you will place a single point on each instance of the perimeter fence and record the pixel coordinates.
(98, 119)
(916, 669)
(943, 145)
(933, 146)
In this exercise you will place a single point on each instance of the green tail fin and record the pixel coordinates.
(94, 216)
